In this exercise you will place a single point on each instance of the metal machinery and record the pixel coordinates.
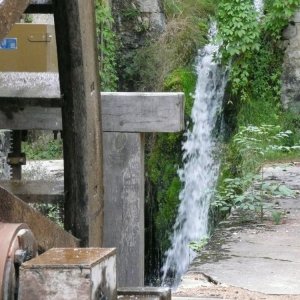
(17, 246)
(26, 48)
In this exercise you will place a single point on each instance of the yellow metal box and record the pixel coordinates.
(29, 48)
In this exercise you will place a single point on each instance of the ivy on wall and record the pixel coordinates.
(242, 34)
(107, 47)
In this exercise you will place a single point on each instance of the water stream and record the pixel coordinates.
(201, 165)
(200, 171)
(259, 6)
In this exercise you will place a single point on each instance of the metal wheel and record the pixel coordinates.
(17, 245)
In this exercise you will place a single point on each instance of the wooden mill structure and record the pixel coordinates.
(120, 119)
(81, 114)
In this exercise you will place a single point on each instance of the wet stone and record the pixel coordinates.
(86, 274)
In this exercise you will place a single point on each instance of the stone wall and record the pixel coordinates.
(291, 66)
(136, 22)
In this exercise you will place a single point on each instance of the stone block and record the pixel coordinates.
(63, 274)
(147, 293)
(146, 6)
(290, 32)
(296, 18)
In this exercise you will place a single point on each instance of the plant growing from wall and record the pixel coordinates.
(107, 47)
(242, 34)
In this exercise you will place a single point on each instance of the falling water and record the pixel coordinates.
(200, 171)
(259, 6)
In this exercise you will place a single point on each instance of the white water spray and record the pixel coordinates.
(200, 171)
(259, 6)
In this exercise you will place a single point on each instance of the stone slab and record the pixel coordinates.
(87, 274)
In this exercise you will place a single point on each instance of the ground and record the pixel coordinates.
(252, 259)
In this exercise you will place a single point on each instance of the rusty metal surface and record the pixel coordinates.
(35, 49)
(17, 245)
(47, 233)
(10, 13)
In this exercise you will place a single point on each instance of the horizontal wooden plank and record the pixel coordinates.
(37, 191)
(143, 112)
(10, 103)
(36, 117)
(121, 112)
(10, 13)
(47, 233)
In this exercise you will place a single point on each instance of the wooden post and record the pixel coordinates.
(81, 114)
(124, 204)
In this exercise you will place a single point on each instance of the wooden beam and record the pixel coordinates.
(143, 112)
(124, 204)
(121, 112)
(10, 13)
(37, 191)
(41, 118)
(81, 116)
(47, 233)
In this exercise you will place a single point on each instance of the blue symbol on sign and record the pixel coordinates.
(8, 44)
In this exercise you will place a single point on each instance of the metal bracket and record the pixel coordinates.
(42, 37)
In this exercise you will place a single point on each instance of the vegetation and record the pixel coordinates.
(169, 65)
(43, 147)
(250, 191)
(252, 46)
(107, 47)
(185, 33)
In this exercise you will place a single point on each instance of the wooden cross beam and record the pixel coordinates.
(47, 233)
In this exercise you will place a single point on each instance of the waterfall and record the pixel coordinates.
(259, 6)
(200, 171)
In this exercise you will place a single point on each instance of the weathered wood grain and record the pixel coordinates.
(10, 13)
(121, 112)
(124, 204)
(81, 115)
(143, 112)
(41, 118)
(36, 191)
(47, 233)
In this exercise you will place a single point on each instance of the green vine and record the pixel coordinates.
(107, 48)
(242, 34)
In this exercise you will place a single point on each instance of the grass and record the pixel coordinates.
(44, 147)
